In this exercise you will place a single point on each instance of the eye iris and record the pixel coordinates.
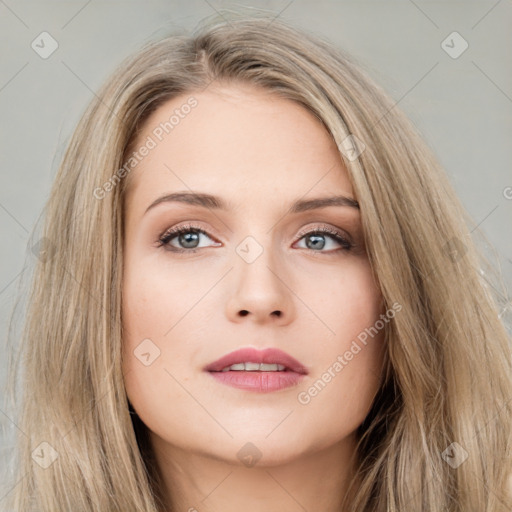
(190, 237)
(318, 241)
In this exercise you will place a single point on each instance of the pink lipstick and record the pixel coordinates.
(257, 370)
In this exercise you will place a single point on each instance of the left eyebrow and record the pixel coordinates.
(304, 205)
(216, 203)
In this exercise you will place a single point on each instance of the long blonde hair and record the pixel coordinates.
(448, 357)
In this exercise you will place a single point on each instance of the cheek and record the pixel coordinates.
(347, 299)
(156, 308)
(359, 329)
(155, 296)
(144, 320)
(339, 395)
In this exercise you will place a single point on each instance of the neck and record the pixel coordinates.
(196, 482)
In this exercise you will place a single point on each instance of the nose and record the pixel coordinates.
(260, 290)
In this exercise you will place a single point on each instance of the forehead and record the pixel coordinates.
(240, 142)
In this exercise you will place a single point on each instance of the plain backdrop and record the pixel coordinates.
(460, 98)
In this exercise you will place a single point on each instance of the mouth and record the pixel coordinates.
(254, 367)
(257, 370)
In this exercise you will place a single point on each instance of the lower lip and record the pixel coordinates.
(261, 382)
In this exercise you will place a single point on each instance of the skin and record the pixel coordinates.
(259, 153)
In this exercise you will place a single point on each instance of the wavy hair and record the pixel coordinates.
(448, 355)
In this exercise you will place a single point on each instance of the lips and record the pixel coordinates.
(251, 355)
(250, 377)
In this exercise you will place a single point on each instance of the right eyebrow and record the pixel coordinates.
(194, 198)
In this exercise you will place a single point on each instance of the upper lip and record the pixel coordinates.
(252, 355)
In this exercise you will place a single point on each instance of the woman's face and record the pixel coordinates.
(261, 276)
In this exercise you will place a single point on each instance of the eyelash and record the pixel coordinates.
(167, 236)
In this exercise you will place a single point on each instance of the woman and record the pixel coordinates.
(257, 291)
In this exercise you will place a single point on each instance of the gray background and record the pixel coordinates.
(462, 105)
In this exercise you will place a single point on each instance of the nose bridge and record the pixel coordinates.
(257, 244)
(259, 280)
(256, 261)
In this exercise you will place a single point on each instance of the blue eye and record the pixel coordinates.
(189, 237)
(186, 235)
(318, 235)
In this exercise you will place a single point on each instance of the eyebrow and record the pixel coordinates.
(216, 203)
